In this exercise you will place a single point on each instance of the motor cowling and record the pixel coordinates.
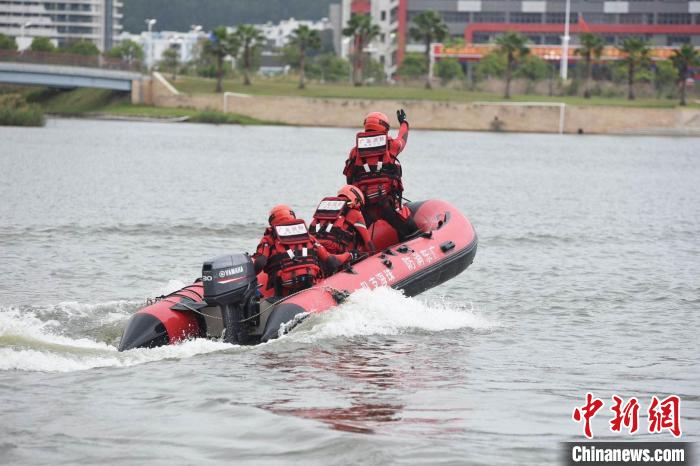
(230, 282)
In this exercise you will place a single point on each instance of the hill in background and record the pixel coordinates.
(179, 15)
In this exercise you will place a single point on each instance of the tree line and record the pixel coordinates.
(44, 44)
(513, 49)
(511, 58)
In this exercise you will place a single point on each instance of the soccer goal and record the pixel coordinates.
(231, 94)
(561, 105)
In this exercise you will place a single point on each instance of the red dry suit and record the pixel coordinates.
(293, 259)
(340, 228)
(374, 167)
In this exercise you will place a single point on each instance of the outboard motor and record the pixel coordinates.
(230, 283)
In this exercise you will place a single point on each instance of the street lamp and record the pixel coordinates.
(565, 44)
(150, 22)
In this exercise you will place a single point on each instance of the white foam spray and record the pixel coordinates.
(385, 311)
(50, 361)
(32, 340)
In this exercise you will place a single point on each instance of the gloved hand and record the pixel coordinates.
(401, 115)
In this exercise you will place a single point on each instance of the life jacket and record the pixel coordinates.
(293, 263)
(330, 225)
(374, 170)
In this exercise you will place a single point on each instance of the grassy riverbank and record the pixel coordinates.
(288, 86)
(96, 103)
(15, 111)
(192, 115)
(104, 104)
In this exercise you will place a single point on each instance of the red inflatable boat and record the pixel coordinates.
(229, 301)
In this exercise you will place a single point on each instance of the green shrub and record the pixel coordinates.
(533, 69)
(373, 71)
(413, 66)
(329, 68)
(82, 47)
(492, 65)
(449, 69)
(210, 116)
(127, 50)
(7, 42)
(42, 44)
(15, 111)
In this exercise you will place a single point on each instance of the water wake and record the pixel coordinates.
(385, 311)
(71, 336)
(64, 361)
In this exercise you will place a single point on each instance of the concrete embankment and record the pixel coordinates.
(473, 116)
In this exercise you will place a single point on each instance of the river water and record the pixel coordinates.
(587, 278)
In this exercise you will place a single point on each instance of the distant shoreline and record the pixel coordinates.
(164, 104)
(659, 132)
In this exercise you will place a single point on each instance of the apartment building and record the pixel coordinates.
(62, 21)
(390, 16)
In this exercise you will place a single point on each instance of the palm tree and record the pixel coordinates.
(220, 45)
(637, 51)
(514, 46)
(683, 59)
(248, 37)
(363, 31)
(304, 39)
(428, 28)
(591, 47)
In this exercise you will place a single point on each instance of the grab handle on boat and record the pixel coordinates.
(447, 245)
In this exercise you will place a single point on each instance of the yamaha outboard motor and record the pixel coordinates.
(230, 283)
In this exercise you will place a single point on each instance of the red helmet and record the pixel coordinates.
(353, 194)
(376, 121)
(280, 214)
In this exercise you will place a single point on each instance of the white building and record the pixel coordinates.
(62, 21)
(157, 42)
(278, 35)
(385, 14)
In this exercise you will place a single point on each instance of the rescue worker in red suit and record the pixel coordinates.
(374, 167)
(339, 225)
(291, 257)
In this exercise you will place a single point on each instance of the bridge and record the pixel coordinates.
(67, 71)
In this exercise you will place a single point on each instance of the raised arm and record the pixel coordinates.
(399, 143)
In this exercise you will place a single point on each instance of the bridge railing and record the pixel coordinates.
(69, 59)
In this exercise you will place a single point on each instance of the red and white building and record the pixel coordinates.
(664, 23)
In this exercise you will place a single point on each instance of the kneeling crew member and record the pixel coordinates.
(374, 167)
(291, 257)
(339, 225)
